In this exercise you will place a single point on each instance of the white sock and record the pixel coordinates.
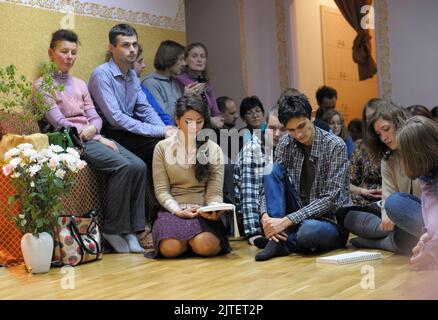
(133, 243)
(117, 242)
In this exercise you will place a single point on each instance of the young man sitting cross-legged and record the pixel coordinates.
(316, 166)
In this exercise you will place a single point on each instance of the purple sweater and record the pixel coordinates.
(73, 106)
(185, 79)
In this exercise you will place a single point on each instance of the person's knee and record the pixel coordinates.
(307, 235)
(171, 248)
(393, 204)
(122, 166)
(138, 167)
(354, 219)
(316, 235)
(205, 244)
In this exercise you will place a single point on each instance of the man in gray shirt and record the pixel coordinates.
(169, 62)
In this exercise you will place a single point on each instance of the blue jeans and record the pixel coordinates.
(310, 236)
(404, 210)
(280, 194)
(315, 236)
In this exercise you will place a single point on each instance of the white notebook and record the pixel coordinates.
(227, 207)
(217, 207)
(353, 257)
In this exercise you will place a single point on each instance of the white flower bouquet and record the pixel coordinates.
(41, 178)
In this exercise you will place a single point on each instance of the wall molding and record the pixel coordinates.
(384, 56)
(243, 46)
(95, 10)
(281, 44)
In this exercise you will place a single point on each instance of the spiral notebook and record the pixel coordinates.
(347, 258)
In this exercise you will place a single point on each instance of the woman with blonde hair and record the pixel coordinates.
(418, 143)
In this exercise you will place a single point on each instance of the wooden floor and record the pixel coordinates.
(233, 276)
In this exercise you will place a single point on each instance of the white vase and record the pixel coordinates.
(37, 252)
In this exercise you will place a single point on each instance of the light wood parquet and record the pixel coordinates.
(233, 276)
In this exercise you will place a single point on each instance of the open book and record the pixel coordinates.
(227, 207)
(217, 207)
(353, 257)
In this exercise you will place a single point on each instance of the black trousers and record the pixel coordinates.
(143, 147)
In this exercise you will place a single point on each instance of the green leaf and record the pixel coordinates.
(16, 91)
(58, 183)
(39, 223)
(11, 200)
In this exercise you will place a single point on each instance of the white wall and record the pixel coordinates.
(216, 24)
(261, 48)
(413, 43)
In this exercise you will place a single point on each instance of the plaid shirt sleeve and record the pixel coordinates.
(237, 177)
(248, 180)
(336, 176)
(278, 157)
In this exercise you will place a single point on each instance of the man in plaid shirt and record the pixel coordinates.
(317, 164)
(251, 163)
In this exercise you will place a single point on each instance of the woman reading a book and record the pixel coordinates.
(188, 173)
(418, 142)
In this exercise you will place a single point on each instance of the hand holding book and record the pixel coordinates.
(188, 213)
(213, 212)
(210, 215)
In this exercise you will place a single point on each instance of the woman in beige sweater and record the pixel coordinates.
(401, 225)
(188, 173)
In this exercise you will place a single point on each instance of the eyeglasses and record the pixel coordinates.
(254, 111)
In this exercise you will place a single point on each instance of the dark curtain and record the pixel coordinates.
(350, 9)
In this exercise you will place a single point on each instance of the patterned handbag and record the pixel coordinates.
(77, 240)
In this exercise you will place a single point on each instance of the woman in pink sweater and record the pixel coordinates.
(418, 142)
(124, 215)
